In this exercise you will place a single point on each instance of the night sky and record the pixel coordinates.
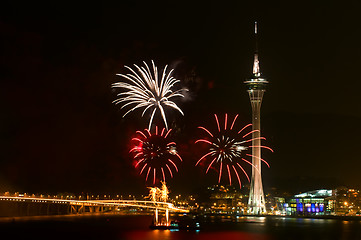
(60, 132)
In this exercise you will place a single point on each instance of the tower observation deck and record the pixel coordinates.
(256, 86)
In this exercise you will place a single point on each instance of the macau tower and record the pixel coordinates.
(256, 86)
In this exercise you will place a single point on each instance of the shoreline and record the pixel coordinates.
(113, 214)
(292, 216)
(323, 217)
(65, 216)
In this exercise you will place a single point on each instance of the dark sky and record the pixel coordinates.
(59, 130)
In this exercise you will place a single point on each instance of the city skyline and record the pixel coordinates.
(60, 131)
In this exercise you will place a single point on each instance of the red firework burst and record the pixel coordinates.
(228, 148)
(154, 154)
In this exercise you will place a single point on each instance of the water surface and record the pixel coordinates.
(135, 227)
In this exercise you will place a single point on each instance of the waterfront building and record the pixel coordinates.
(278, 206)
(341, 201)
(310, 203)
(347, 201)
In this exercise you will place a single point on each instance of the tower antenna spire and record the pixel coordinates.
(256, 71)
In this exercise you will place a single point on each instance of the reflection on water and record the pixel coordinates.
(197, 235)
(213, 228)
(251, 219)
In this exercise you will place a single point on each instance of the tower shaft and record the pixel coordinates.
(256, 202)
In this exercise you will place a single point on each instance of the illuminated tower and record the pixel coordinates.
(256, 86)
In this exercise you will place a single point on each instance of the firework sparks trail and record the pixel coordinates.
(148, 90)
(153, 152)
(227, 148)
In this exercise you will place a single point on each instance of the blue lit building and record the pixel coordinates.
(318, 202)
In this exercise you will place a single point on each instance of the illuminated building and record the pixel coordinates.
(340, 201)
(227, 199)
(219, 199)
(347, 201)
(256, 86)
(316, 202)
(278, 206)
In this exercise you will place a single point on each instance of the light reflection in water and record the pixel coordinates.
(137, 227)
(197, 235)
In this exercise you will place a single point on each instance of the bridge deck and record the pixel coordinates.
(99, 203)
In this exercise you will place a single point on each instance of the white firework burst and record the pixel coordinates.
(146, 89)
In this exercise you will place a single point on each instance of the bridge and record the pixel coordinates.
(94, 206)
